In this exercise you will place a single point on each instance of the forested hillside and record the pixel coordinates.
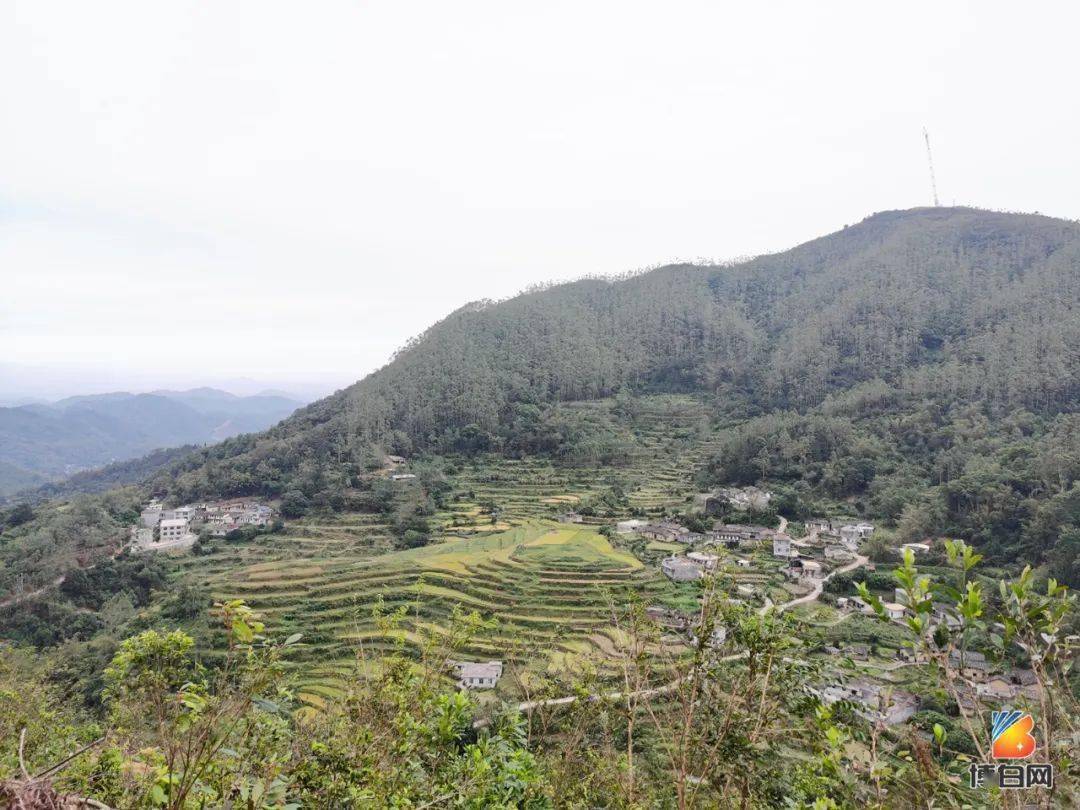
(977, 305)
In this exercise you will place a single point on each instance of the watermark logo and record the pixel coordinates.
(1011, 735)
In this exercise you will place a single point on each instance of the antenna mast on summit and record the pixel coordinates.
(930, 160)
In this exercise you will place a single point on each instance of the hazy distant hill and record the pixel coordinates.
(39, 443)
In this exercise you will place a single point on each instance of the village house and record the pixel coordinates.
(173, 529)
(916, 548)
(861, 605)
(402, 477)
(570, 517)
(972, 665)
(894, 610)
(629, 526)
(819, 525)
(707, 562)
(811, 570)
(781, 545)
(742, 563)
(997, 687)
(664, 531)
(483, 675)
(680, 569)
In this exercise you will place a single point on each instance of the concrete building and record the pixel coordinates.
(894, 610)
(707, 562)
(483, 675)
(680, 569)
(173, 529)
(629, 526)
(781, 546)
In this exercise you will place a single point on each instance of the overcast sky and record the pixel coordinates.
(196, 192)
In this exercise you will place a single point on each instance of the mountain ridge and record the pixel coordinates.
(908, 296)
(51, 441)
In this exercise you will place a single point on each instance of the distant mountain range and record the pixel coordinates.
(40, 443)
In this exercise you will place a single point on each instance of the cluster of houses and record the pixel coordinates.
(161, 527)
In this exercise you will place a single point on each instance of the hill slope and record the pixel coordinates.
(979, 305)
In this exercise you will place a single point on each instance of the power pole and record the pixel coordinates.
(930, 160)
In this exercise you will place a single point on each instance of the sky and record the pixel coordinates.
(256, 194)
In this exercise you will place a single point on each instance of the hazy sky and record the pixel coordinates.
(195, 192)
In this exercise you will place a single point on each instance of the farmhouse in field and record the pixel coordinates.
(630, 526)
(484, 675)
(680, 569)
(916, 548)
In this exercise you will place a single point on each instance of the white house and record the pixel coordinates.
(811, 569)
(742, 563)
(173, 529)
(916, 548)
(781, 545)
(894, 610)
(629, 526)
(482, 675)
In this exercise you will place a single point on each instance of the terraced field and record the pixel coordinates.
(548, 586)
